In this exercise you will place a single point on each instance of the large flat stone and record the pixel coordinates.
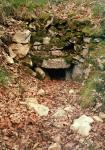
(57, 63)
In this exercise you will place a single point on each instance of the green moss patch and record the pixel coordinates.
(87, 91)
(4, 76)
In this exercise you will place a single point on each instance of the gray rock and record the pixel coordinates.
(56, 63)
(55, 146)
(82, 125)
(40, 73)
(77, 73)
(67, 74)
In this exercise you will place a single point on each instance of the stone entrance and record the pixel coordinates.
(58, 74)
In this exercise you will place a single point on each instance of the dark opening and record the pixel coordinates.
(55, 74)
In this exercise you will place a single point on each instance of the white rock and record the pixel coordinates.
(55, 146)
(71, 91)
(22, 37)
(46, 40)
(102, 115)
(42, 110)
(82, 125)
(97, 118)
(59, 113)
(41, 92)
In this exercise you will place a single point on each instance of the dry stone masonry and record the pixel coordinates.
(49, 43)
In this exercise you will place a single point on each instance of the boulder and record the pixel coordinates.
(22, 37)
(40, 73)
(19, 50)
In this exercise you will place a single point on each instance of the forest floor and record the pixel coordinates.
(23, 129)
